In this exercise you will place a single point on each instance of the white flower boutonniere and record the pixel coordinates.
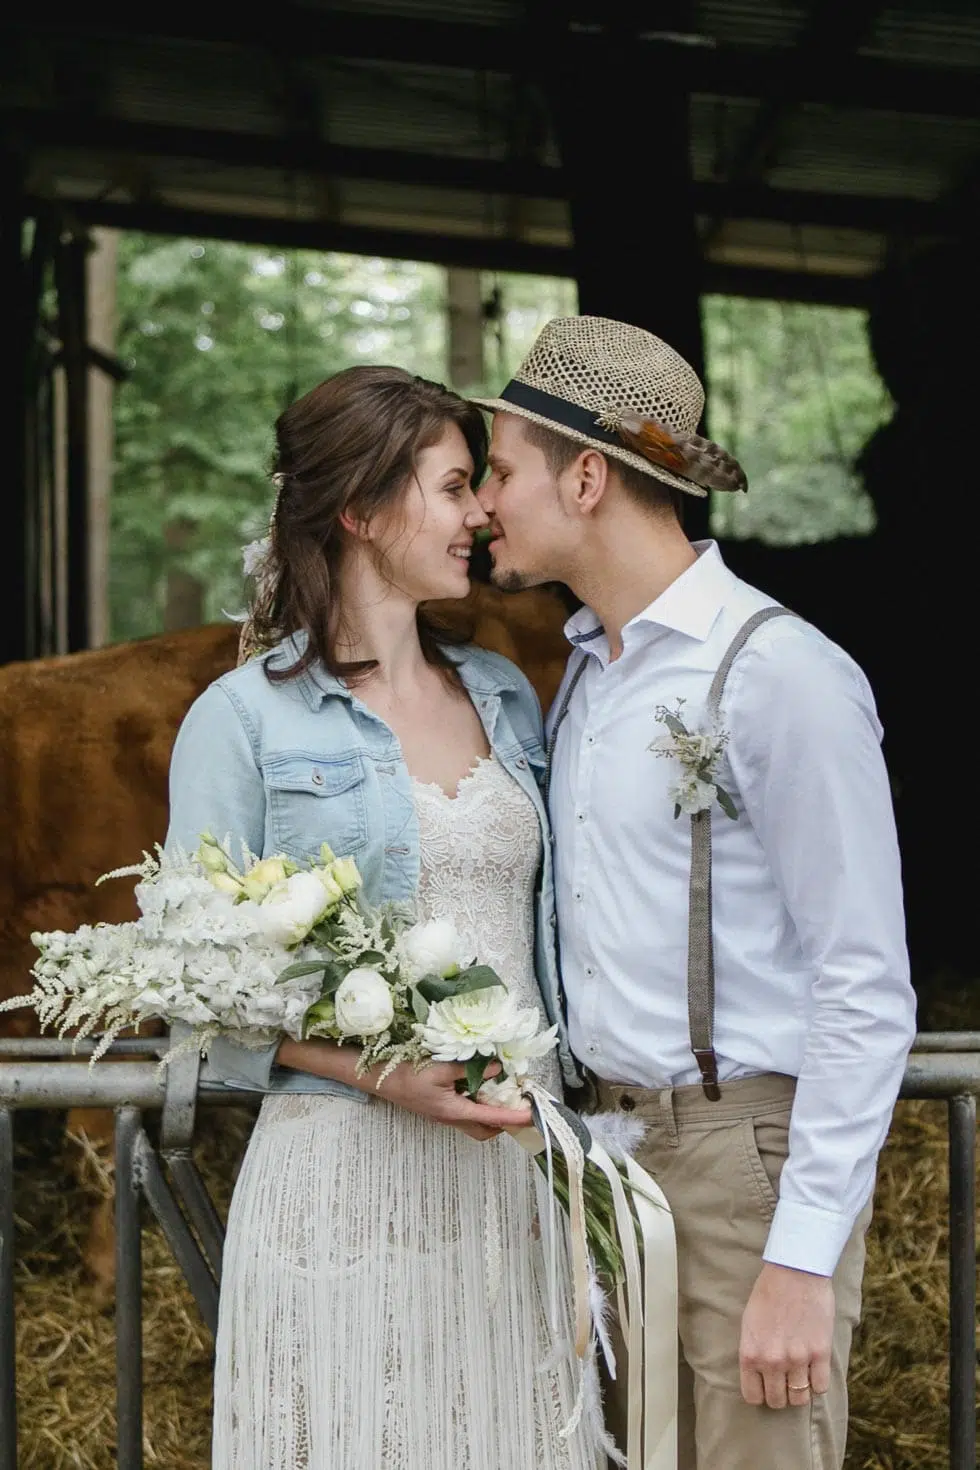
(698, 753)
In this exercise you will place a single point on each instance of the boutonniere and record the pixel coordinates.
(698, 753)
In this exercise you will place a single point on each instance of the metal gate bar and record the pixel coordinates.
(942, 1066)
(962, 1282)
(8, 1338)
(129, 1296)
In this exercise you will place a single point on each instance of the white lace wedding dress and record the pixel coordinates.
(383, 1297)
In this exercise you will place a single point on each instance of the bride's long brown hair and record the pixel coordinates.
(351, 445)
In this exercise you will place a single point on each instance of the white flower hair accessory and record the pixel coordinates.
(698, 753)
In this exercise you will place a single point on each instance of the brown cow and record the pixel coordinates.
(85, 743)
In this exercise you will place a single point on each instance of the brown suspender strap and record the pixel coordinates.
(700, 947)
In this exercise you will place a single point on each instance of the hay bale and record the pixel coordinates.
(65, 1343)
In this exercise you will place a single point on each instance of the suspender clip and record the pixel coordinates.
(708, 1064)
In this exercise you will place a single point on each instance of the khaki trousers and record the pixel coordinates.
(719, 1163)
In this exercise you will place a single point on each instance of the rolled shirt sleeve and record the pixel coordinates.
(805, 752)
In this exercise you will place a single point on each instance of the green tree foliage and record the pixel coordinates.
(793, 393)
(219, 338)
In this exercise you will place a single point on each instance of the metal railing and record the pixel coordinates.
(943, 1065)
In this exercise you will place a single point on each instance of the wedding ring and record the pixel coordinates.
(798, 1387)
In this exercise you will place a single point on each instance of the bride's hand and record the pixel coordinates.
(432, 1093)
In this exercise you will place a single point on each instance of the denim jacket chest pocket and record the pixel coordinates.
(312, 799)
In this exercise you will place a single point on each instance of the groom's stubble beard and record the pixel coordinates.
(512, 580)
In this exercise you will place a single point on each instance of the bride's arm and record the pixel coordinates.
(431, 1093)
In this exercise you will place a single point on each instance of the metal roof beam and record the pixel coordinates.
(517, 179)
(695, 63)
(468, 252)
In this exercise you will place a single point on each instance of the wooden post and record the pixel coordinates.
(15, 544)
(101, 335)
(464, 306)
(624, 135)
(72, 285)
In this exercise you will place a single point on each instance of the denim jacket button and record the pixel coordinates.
(317, 776)
(521, 763)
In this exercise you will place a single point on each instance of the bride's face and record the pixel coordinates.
(423, 545)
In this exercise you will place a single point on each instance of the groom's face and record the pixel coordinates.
(527, 521)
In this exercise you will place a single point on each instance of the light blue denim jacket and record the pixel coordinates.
(287, 766)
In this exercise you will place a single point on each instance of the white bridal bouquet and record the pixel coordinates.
(268, 946)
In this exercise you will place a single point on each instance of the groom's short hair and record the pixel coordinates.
(559, 452)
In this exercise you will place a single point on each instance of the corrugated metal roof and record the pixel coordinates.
(97, 97)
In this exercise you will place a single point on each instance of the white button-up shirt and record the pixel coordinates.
(811, 968)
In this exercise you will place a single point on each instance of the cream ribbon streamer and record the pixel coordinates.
(648, 1315)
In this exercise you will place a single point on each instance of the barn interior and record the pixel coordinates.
(782, 150)
(653, 153)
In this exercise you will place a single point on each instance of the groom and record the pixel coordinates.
(727, 880)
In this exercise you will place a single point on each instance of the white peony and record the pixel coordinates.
(291, 909)
(459, 1027)
(432, 948)
(363, 1004)
(692, 795)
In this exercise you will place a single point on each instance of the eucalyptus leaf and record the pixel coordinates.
(475, 1071)
(333, 976)
(726, 804)
(677, 812)
(419, 1004)
(674, 725)
(477, 977)
(302, 967)
(371, 958)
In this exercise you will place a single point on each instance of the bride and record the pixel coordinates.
(383, 1300)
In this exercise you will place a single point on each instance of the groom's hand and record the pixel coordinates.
(787, 1330)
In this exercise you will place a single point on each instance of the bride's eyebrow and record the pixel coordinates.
(458, 473)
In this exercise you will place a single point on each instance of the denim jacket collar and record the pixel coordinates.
(316, 685)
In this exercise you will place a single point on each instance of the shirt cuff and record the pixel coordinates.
(807, 1238)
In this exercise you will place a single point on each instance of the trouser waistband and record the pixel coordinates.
(676, 1108)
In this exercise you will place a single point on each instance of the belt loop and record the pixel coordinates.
(667, 1116)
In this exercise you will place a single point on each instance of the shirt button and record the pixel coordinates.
(580, 816)
(589, 971)
(553, 920)
(579, 895)
(592, 1048)
(590, 740)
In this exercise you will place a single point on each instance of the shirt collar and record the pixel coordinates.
(690, 605)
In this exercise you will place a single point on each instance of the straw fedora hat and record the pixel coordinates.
(623, 391)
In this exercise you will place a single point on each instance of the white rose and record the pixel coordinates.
(290, 909)
(363, 1004)
(457, 1028)
(432, 948)
(501, 1092)
(692, 795)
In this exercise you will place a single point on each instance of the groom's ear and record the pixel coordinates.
(589, 479)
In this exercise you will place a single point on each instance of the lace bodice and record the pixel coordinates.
(478, 858)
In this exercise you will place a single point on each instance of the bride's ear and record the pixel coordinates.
(355, 526)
